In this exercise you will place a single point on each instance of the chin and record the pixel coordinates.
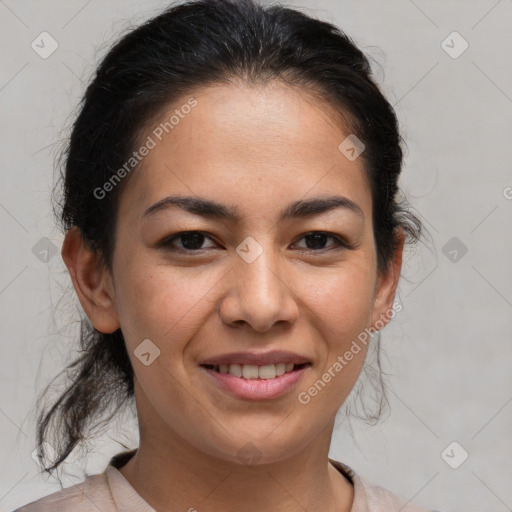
(257, 450)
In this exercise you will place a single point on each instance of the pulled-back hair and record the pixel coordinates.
(184, 48)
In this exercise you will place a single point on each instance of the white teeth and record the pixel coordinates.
(250, 371)
(235, 369)
(280, 369)
(267, 372)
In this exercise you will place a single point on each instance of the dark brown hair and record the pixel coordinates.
(185, 47)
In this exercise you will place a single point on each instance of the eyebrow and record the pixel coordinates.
(214, 210)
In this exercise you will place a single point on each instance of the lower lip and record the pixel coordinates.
(256, 389)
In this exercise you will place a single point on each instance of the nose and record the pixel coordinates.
(260, 294)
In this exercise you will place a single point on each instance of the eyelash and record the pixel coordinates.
(168, 242)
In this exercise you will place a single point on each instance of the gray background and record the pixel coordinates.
(449, 351)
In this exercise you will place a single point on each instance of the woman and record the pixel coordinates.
(259, 132)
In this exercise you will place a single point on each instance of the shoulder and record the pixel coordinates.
(91, 495)
(380, 499)
(369, 497)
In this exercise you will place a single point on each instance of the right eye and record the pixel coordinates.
(191, 241)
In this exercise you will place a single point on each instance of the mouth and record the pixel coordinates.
(250, 371)
(253, 383)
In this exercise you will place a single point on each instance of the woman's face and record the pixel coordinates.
(256, 281)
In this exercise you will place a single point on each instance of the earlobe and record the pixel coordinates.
(92, 281)
(387, 283)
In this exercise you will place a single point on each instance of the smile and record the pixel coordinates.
(249, 371)
(250, 382)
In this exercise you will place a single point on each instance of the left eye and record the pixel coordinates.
(192, 241)
(318, 238)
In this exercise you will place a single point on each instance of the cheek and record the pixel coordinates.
(342, 303)
(159, 303)
(341, 306)
(343, 299)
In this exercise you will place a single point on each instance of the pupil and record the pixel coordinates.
(190, 240)
(316, 237)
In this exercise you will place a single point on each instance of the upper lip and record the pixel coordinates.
(257, 359)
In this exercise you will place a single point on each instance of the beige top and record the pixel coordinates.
(110, 491)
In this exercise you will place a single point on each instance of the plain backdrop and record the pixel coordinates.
(445, 66)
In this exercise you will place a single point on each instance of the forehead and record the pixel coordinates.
(249, 145)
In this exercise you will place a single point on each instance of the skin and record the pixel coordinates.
(257, 148)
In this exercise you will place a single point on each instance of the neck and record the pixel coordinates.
(180, 477)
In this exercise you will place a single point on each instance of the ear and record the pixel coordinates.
(387, 282)
(92, 281)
